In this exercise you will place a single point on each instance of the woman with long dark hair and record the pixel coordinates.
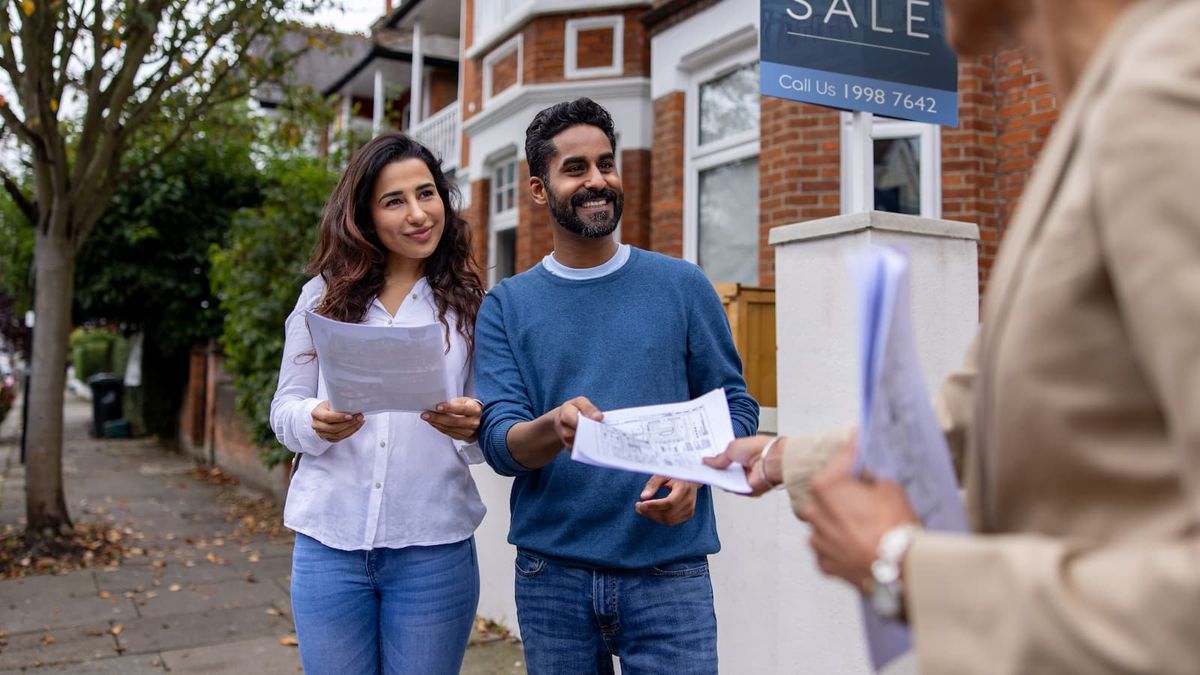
(384, 574)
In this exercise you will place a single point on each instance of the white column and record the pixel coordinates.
(817, 333)
(378, 104)
(417, 100)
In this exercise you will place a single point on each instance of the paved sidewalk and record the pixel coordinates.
(204, 589)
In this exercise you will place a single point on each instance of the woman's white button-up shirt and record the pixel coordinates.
(397, 481)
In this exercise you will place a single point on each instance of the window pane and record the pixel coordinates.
(729, 104)
(506, 253)
(728, 222)
(898, 175)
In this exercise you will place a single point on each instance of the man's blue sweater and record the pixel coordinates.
(653, 331)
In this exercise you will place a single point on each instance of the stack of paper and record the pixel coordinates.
(667, 440)
(899, 437)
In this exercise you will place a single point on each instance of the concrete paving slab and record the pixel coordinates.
(264, 656)
(34, 614)
(57, 588)
(219, 595)
(500, 657)
(141, 578)
(186, 631)
(43, 647)
(144, 664)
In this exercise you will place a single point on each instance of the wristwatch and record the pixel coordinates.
(887, 592)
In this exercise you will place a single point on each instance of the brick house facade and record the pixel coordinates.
(670, 47)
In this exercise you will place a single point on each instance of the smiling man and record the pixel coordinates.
(609, 563)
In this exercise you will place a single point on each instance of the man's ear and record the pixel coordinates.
(537, 190)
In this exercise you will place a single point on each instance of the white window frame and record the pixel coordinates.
(571, 69)
(930, 136)
(699, 158)
(515, 43)
(500, 221)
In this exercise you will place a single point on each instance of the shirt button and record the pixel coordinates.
(378, 485)
(382, 444)
(414, 296)
(389, 322)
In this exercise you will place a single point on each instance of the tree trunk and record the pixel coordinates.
(54, 265)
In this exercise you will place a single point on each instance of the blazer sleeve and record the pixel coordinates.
(954, 406)
(1051, 604)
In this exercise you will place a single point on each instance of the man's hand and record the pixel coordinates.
(566, 420)
(334, 426)
(678, 506)
(458, 418)
(850, 515)
(748, 452)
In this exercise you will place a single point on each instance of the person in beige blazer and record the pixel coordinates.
(1075, 421)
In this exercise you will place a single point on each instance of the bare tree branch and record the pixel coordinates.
(27, 207)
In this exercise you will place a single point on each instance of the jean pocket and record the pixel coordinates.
(689, 568)
(528, 566)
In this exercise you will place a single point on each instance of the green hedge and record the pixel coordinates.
(257, 277)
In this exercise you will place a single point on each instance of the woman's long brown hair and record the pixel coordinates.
(353, 262)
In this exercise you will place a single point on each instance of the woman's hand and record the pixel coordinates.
(334, 426)
(748, 452)
(849, 515)
(458, 418)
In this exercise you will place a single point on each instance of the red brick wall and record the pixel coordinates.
(1006, 111)
(477, 217)
(504, 71)
(969, 158)
(635, 178)
(594, 48)
(535, 233)
(799, 170)
(666, 171)
(443, 89)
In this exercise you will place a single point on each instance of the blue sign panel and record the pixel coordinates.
(887, 57)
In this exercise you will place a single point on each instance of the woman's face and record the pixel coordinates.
(408, 213)
(975, 27)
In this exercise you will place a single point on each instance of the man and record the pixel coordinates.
(609, 563)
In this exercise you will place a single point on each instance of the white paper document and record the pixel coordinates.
(899, 437)
(666, 440)
(370, 369)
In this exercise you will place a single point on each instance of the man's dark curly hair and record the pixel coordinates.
(539, 137)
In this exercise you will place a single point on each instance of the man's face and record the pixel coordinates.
(584, 189)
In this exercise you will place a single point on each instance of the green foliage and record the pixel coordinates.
(98, 350)
(16, 254)
(146, 264)
(258, 276)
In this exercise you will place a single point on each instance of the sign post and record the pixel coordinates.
(887, 57)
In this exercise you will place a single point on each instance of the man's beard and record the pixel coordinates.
(600, 225)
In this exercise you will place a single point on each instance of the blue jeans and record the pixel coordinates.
(387, 610)
(657, 620)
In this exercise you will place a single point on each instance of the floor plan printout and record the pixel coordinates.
(369, 369)
(899, 437)
(666, 440)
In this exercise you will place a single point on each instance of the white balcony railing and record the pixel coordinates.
(492, 15)
(441, 133)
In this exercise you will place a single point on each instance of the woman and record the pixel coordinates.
(1077, 408)
(384, 574)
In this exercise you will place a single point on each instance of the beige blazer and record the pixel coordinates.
(1079, 405)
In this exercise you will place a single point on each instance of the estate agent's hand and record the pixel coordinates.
(333, 426)
(567, 418)
(763, 473)
(849, 516)
(458, 418)
(678, 506)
